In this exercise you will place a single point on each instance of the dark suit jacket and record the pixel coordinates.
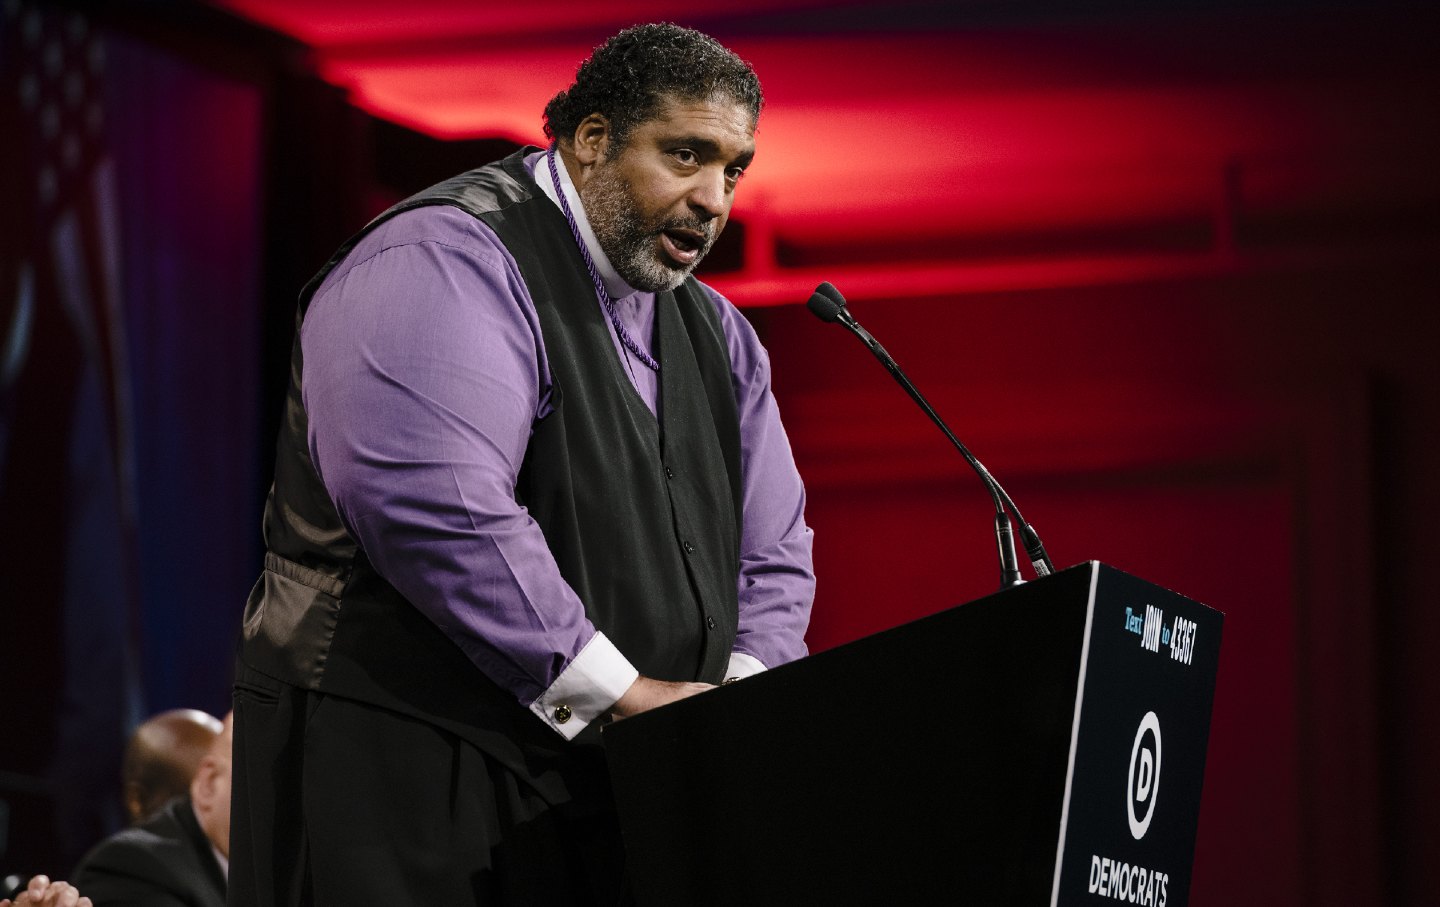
(165, 861)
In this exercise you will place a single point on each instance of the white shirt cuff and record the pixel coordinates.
(742, 665)
(587, 688)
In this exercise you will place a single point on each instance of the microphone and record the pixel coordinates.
(828, 305)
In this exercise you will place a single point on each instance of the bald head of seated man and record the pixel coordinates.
(179, 856)
(162, 757)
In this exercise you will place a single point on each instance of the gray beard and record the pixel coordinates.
(628, 241)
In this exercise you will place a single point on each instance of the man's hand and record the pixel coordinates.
(41, 892)
(645, 694)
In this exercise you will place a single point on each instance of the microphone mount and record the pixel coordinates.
(828, 305)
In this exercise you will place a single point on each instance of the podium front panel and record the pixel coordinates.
(1133, 795)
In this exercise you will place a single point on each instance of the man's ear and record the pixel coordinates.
(591, 140)
(202, 786)
(134, 805)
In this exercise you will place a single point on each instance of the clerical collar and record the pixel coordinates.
(615, 285)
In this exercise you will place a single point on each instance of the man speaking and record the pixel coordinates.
(531, 478)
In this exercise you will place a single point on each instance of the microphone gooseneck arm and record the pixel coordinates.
(828, 305)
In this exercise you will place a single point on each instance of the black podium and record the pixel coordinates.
(1043, 745)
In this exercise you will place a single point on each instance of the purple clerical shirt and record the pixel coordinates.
(425, 371)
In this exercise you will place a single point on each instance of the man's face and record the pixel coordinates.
(210, 790)
(658, 204)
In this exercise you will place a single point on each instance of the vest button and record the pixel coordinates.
(669, 473)
(689, 548)
(562, 714)
(710, 622)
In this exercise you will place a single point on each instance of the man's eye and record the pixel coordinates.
(685, 156)
(734, 174)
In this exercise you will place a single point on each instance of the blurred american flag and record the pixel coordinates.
(66, 429)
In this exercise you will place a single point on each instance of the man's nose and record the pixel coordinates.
(708, 194)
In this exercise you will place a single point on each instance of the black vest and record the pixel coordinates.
(643, 516)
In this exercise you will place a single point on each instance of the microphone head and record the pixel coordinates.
(826, 302)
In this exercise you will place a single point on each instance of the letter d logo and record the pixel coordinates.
(1143, 788)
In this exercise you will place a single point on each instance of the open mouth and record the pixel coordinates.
(683, 246)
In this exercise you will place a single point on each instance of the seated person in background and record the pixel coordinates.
(161, 758)
(41, 892)
(176, 858)
(160, 761)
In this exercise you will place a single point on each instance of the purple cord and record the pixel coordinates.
(600, 290)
